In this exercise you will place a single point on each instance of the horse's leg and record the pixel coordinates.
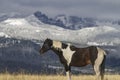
(97, 71)
(102, 72)
(99, 66)
(68, 72)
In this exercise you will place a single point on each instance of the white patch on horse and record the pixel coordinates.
(100, 56)
(98, 62)
(57, 44)
(67, 53)
(68, 73)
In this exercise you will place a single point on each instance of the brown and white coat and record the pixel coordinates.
(70, 55)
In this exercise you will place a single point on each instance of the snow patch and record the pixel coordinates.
(103, 35)
(4, 35)
(15, 21)
(100, 44)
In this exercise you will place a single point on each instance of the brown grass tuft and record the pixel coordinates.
(7, 76)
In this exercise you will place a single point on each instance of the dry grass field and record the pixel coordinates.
(7, 76)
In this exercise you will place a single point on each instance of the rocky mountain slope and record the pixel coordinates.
(21, 39)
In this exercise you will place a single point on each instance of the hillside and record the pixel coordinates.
(21, 39)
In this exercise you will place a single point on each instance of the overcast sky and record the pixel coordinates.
(91, 8)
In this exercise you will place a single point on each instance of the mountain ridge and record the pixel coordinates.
(21, 39)
(75, 22)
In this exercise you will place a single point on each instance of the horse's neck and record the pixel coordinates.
(57, 44)
(56, 50)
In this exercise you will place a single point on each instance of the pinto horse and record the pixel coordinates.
(70, 55)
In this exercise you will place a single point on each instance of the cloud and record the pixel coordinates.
(91, 8)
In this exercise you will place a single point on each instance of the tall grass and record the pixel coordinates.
(22, 76)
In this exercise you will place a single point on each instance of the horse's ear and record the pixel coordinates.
(48, 39)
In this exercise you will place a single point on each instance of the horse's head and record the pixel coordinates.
(46, 46)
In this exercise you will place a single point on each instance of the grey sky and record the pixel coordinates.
(91, 8)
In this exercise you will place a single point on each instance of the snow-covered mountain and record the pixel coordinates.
(68, 22)
(75, 22)
(23, 28)
(21, 38)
